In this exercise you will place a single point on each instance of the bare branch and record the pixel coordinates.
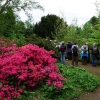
(4, 6)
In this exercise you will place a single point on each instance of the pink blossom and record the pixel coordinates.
(53, 76)
(58, 84)
(48, 82)
(26, 66)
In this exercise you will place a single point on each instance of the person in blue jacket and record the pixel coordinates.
(84, 54)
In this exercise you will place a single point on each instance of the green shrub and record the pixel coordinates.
(79, 77)
(34, 39)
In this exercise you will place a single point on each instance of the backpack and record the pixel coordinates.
(62, 48)
(95, 50)
(85, 50)
(75, 50)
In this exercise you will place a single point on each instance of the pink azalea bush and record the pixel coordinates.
(22, 68)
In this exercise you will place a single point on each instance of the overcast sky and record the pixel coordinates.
(82, 10)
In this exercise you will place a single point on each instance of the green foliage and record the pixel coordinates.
(79, 77)
(19, 38)
(49, 26)
(94, 20)
(91, 31)
(26, 95)
(60, 30)
(66, 93)
(34, 39)
(71, 33)
(74, 34)
(29, 29)
(7, 23)
(18, 33)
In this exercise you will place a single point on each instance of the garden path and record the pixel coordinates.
(95, 95)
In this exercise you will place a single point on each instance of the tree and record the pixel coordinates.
(87, 30)
(29, 29)
(18, 5)
(94, 20)
(8, 17)
(71, 33)
(91, 31)
(49, 26)
(97, 4)
(7, 23)
(60, 30)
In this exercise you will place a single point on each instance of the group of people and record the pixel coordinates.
(71, 51)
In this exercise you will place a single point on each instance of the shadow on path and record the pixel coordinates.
(95, 95)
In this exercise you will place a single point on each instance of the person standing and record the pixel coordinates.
(68, 51)
(84, 54)
(74, 54)
(95, 53)
(63, 53)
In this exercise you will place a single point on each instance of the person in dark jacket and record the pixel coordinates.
(95, 53)
(69, 51)
(75, 55)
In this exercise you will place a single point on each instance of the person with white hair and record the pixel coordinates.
(84, 54)
(95, 53)
(75, 51)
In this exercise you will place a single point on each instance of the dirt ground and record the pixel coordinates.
(95, 95)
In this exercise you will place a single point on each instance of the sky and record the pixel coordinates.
(71, 10)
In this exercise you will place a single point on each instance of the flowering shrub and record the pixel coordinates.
(22, 68)
(6, 45)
